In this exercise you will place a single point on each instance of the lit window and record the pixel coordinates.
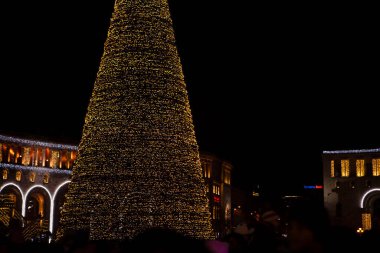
(5, 174)
(11, 155)
(46, 178)
(18, 176)
(26, 156)
(206, 169)
(216, 189)
(360, 168)
(366, 221)
(227, 177)
(332, 168)
(32, 177)
(345, 167)
(215, 212)
(54, 159)
(376, 167)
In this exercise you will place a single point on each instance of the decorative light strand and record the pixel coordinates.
(37, 143)
(138, 165)
(354, 151)
(34, 168)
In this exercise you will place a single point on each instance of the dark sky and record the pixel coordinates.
(270, 86)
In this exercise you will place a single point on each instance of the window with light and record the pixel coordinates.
(206, 169)
(216, 189)
(26, 151)
(376, 167)
(32, 177)
(46, 178)
(360, 168)
(18, 176)
(5, 174)
(216, 212)
(366, 221)
(332, 168)
(345, 168)
(227, 177)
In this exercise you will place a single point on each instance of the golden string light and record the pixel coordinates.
(138, 164)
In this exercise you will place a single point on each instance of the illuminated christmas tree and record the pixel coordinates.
(138, 165)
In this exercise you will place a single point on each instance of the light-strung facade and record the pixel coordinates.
(352, 187)
(34, 177)
(36, 174)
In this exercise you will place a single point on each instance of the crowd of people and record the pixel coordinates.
(308, 230)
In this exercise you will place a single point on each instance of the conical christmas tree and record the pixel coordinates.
(138, 165)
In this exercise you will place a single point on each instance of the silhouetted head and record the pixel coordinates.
(309, 226)
(160, 240)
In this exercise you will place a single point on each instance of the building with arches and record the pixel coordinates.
(34, 178)
(352, 187)
(36, 175)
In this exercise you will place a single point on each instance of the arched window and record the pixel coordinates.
(32, 177)
(46, 178)
(5, 174)
(18, 176)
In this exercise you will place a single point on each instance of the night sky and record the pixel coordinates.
(270, 86)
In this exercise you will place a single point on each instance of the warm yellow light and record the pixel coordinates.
(332, 168)
(54, 159)
(5, 174)
(366, 221)
(26, 156)
(376, 167)
(216, 189)
(227, 176)
(138, 162)
(32, 177)
(46, 178)
(18, 176)
(360, 169)
(345, 168)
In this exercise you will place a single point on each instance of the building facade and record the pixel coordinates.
(352, 187)
(217, 175)
(36, 175)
